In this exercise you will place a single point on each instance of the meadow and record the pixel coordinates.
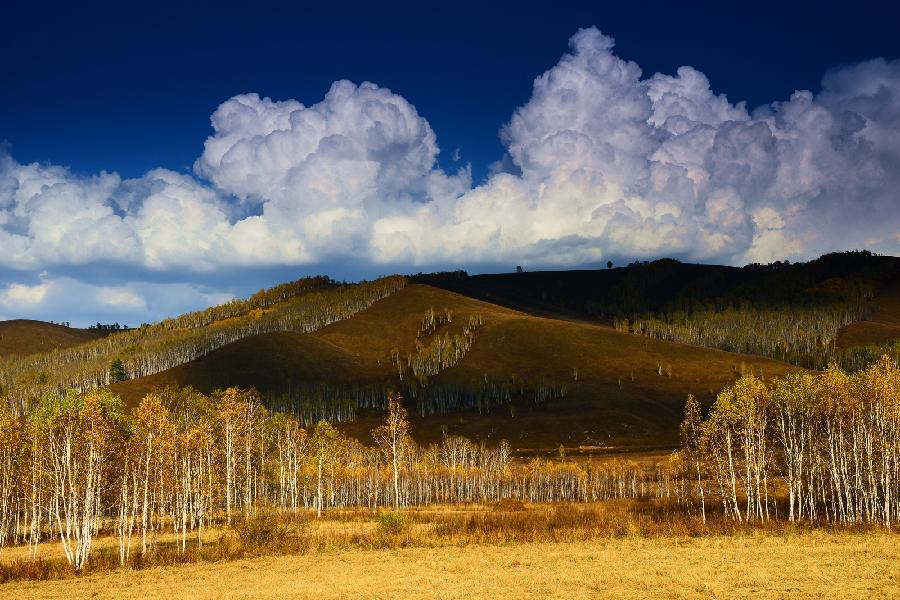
(603, 550)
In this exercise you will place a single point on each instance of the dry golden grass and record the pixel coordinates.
(20, 337)
(811, 565)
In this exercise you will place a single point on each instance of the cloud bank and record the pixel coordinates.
(602, 162)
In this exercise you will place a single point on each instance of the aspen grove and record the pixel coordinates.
(182, 462)
(810, 446)
(807, 447)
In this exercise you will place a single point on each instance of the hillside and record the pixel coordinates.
(882, 326)
(789, 312)
(268, 361)
(629, 391)
(301, 306)
(667, 285)
(20, 337)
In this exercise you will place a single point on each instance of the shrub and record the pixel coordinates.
(263, 529)
(392, 523)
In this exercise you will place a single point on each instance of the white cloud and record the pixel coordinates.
(18, 295)
(613, 164)
(601, 162)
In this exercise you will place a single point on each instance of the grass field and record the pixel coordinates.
(812, 565)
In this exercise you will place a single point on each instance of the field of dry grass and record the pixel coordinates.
(619, 548)
(811, 565)
(20, 337)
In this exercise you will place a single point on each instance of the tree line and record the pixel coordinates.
(857, 358)
(826, 443)
(483, 395)
(804, 336)
(809, 447)
(181, 462)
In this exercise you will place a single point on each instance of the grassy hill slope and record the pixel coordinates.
(267, 362)
(21, 336)
(882, 326)
(620, 399)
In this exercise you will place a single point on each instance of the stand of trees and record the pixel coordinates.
(341, 402)
(443, 351)
(79, 465)
(304, 306)
(310, 403)
(803, 336)
(811, 447)
(828, 443)
(484, 395)
(857, 358)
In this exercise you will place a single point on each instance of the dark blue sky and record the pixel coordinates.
(128, 88)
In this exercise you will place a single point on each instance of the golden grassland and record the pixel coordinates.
(811, 565)
(629, 393)
(21, 336)
(614, 549)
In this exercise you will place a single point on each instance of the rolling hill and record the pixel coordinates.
(528, 357)
(668, 285)
(21, 337)
(629, 392)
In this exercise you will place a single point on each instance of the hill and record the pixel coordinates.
(20, 337)
(667, 285)
(549, 363)
(628, 391)
(301, 306)
(790, 312)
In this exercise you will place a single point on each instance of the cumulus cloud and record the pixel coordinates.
(601, 161)
(609, 163)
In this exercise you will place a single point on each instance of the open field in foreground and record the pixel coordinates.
(808, 565)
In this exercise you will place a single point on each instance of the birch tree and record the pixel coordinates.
(394, 440)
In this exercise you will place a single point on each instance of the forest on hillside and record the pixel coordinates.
(440, 343)
(789, 312)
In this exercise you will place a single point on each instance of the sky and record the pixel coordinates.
(156, 159)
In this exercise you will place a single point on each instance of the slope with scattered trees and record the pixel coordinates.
(790, 312)
(538, 382)
(302, 306)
